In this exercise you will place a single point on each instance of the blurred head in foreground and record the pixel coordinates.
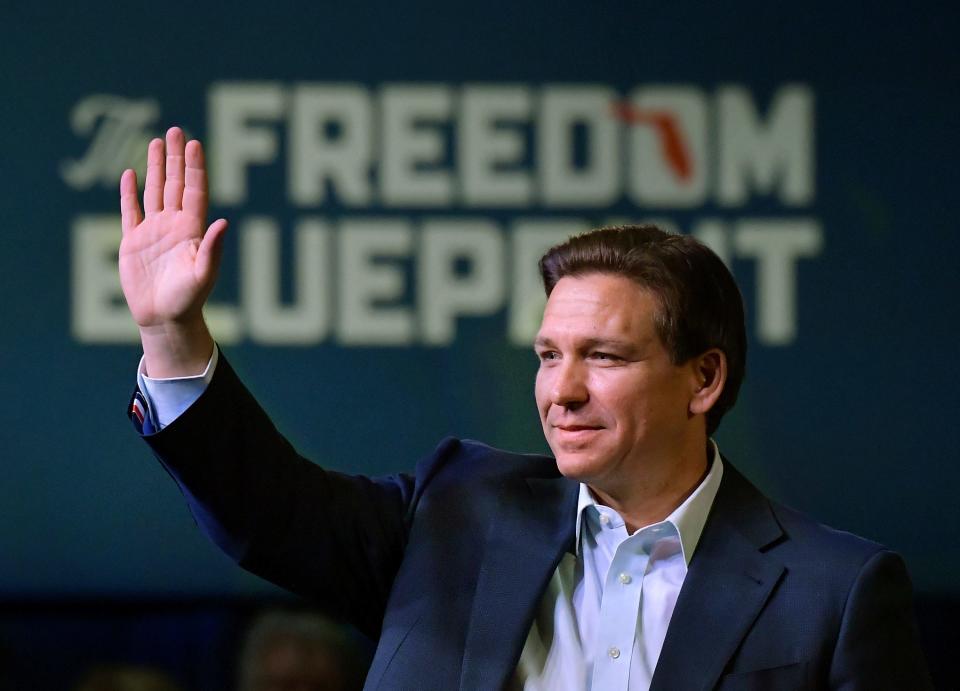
(126, 678)
(300, 651)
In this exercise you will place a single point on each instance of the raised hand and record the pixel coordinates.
(168, 264)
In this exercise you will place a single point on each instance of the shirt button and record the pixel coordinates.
(625, 578)
(614, 652)
(604, 518)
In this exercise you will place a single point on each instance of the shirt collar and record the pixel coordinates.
(689, 518)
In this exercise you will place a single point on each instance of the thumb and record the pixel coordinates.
(210, 250)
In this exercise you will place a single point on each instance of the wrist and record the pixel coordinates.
(176, 349)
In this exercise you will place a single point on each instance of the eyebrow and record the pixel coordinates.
(543, 341)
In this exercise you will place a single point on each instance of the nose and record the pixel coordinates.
(569, 388)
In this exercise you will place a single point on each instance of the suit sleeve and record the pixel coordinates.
(334, 538)
(878, 646)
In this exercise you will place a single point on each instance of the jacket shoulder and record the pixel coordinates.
(790, 531)
(470, 459)
(822, 543)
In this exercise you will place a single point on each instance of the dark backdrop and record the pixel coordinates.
(811, 145)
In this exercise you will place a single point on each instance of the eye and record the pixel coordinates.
(605, 357)
(548, 355)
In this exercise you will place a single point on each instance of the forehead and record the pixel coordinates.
(599, 306)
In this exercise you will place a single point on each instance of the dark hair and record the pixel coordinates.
(700, 306)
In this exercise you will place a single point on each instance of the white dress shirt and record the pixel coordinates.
(604, 615)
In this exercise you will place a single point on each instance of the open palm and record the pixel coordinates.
(168, 264)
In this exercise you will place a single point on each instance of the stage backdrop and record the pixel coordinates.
(391, 174)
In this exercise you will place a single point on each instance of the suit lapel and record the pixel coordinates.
(728, 582)
(533, 528)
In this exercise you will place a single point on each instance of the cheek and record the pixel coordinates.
(616, 394)
(626, 402)
(627, 411)
(540, 389)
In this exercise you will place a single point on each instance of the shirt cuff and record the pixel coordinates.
(167, 399)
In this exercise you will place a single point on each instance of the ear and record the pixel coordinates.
(710, 376)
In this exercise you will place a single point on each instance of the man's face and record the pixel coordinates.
(610, 399)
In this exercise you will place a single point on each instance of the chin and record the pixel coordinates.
(578, 466)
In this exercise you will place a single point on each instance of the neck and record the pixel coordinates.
(653, 494)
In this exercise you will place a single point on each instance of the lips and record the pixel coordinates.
(575, 435)
(577, 427)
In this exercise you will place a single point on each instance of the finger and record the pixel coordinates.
(130, 215)
(153, 190)
(195, 192)
(173, 188)
(210, 250)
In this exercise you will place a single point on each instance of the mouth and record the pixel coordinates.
(576, 433)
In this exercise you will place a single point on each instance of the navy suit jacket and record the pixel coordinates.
(446, 567)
